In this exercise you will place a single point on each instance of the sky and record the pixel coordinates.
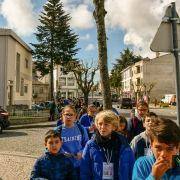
(129, 23)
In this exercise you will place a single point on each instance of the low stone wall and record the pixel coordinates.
(27, 120)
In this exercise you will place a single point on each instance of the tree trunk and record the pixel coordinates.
(99, 14)
(51, 80)
(86, 98)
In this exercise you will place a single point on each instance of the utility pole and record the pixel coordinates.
(176, 50)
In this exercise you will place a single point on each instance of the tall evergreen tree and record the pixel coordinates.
(126, 59)
(115, 80)
(56, 42)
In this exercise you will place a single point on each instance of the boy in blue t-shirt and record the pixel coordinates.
(53, 165)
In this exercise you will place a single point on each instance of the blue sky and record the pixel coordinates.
(129, 23)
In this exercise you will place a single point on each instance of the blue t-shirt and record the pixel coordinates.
(73, 142)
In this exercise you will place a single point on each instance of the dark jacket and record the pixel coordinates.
(94, 156)
(135, 127)
(53, 167)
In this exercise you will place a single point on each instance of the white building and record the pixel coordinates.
(15, 70)
(158, 72)
(126, 82)
(66, 83)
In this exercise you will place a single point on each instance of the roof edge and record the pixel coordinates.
(9, 32)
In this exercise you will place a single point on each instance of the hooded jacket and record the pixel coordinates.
(94, 155)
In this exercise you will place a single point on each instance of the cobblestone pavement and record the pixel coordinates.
(15, 167)
(18, 151)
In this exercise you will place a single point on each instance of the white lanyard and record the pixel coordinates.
(108, 155)
(146, 141)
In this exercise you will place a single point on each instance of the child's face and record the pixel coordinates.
(149, 122)
(164, 152)
(53, 144)
(122, 126)
(105, 129)
(68, 116)
(142, 111)
(92, 111)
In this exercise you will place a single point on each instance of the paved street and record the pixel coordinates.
(18, 150)
(20, 146)
(170, 113)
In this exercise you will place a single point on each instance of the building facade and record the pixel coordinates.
(15, 70)
(151, 78)
(127, 82)
(66, 85)
(156, 75)
(40, 88)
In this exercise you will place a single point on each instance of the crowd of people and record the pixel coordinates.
(95, 144)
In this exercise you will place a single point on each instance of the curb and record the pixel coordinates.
(28, 126)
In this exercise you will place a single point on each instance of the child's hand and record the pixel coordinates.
(79, 156)
(160, 167)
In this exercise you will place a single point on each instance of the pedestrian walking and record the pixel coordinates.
(52, 111)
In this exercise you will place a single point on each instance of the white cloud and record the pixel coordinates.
(90, 47)
(139, 19)
(81, 17)
(19, 16)
(86, 37)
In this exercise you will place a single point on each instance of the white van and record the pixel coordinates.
(169, 98)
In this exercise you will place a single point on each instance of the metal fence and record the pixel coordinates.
(28, 113)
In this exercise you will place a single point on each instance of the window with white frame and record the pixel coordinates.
(62, 81)
(70, 81)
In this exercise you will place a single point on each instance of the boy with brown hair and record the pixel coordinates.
(165, 144)
(141, 143)
(53, 165)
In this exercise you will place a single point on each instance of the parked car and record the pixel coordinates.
(4, 122)
(48, 104)
(126, 103)
(37, 107)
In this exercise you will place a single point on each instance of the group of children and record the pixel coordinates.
(111, 151)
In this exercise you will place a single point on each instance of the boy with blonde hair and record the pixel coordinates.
(107, 155)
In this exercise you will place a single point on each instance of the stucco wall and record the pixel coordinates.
(160, 71)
